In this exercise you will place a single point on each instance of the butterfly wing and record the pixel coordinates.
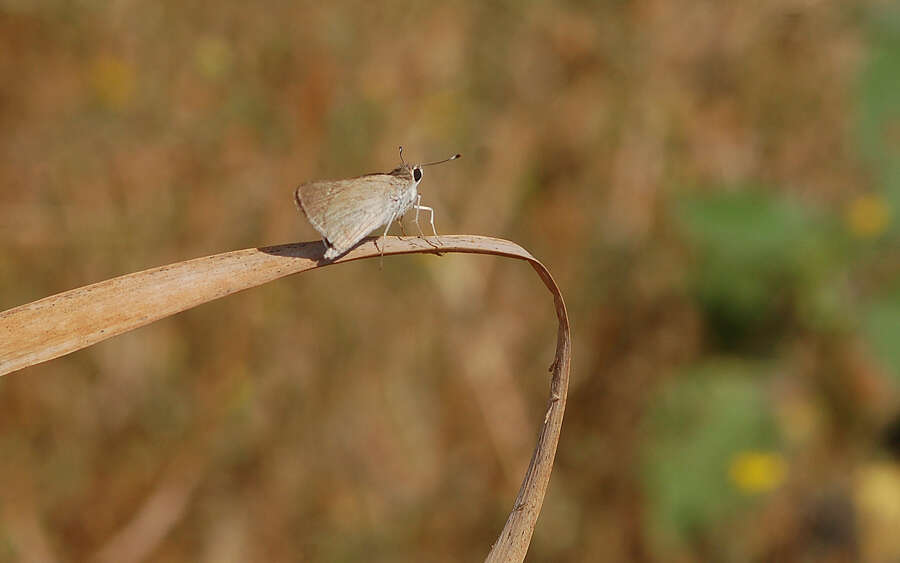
(345, 211)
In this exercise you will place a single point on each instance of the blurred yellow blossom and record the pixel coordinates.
(113, 81)
(757, 472)
(212, 56)
(877, 497)
(868, 216)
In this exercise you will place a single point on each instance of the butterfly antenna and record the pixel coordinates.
(401, 156)
(454, 157)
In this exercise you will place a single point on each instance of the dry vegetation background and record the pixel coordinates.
(714, 185)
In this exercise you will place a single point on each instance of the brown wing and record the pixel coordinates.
(344, 211)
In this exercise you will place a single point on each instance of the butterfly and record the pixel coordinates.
(345, 211)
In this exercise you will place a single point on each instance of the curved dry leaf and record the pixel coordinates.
(75, 319)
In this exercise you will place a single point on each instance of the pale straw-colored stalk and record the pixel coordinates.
(72, 320)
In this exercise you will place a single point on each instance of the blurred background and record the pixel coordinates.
(714, 185)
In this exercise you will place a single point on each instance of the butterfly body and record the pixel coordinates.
(345, 211)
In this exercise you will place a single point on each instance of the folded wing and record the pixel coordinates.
(345, 211)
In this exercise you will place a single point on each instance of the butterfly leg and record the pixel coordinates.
(416, 218)
(402, 228)
(386, 228)
(418, 207)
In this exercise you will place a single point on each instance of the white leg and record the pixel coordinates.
(430, 216)
(416, 219)
(430, 220)
(386, 228)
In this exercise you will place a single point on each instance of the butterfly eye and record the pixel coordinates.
(417, 174)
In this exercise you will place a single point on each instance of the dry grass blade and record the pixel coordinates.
(75, 319)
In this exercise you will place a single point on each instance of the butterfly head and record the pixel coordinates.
(416, 171)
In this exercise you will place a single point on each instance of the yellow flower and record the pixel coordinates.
(113, 81)
(212, 56)
(757, 472)
(868, 216)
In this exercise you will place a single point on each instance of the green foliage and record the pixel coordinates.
(759, 256)
(696, 426)
(879, 102)
(879, 142)
(881, 325)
